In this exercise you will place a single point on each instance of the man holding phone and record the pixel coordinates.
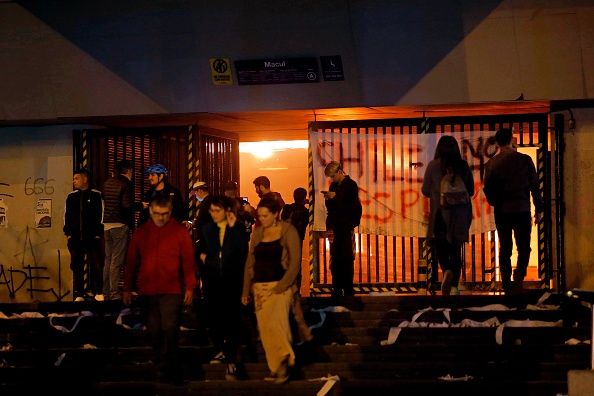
(344, 215)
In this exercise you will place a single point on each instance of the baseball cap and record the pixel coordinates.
(200, 185)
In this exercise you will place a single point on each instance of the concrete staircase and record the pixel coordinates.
(469, 345)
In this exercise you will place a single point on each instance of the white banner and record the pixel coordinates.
(389, 170)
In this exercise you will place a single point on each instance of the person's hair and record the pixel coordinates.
(83, 172)
(332, 167)
(503, 136)
(122, 167)
(162, 200)
(299, 194)
(262, 181)
(223, 201)
(448, 152)
(271, 204)
(230, 185)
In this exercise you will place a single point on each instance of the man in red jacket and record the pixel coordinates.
(161, 257)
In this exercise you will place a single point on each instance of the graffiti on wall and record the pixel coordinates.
(23, 267)
(389, 170)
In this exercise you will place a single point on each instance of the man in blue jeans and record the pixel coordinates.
(118, 220)
(509, 180)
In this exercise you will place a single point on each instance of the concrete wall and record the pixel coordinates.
(64, 59)
(36, 165)
(579, 189)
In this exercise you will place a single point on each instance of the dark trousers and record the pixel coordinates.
(520, 224)
(224, 317)
(93, 249)
(163, 325)
(449, 255)
(342, 263)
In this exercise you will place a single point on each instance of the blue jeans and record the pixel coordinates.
(116, 247)
(521, 226)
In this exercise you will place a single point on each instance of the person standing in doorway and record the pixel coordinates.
(297, 214)
(83, 227)
(262, 186)
(509, 181)
(118, 221)
(156, 177)
(344, 214)
(448, 225)
(161, 261)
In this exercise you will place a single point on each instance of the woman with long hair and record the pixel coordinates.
(273, 262)
(448, 225)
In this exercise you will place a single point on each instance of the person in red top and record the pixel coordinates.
(161, 258)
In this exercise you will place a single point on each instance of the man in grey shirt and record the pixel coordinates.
(509, 181)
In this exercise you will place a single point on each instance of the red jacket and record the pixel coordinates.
(162, 258)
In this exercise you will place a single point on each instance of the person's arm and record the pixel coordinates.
(427, 180)
(67, 216)
(534, 189)
(293, 245)
(248, 273)
(489, 188)
(96, 214)
(469, 181)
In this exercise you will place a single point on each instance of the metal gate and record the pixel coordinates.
(390, 263)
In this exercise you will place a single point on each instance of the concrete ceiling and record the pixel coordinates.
(293, 124)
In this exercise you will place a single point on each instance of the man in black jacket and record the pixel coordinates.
(83, 228)
(118, 220)
(510, 179)
(344, 214)
(156, 176)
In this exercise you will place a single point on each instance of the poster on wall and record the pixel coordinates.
(43, 214)
(3, 214)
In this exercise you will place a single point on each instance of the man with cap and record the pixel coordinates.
(156, 176)
(204, 198)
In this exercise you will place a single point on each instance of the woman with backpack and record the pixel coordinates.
(450, 212)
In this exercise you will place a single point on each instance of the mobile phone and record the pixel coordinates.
(324, 192)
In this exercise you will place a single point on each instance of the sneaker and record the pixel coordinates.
(271, 377)
(219, 358)
(283, 375)
(99, 297)
(231, 373)
(79, 299)
(446, 284)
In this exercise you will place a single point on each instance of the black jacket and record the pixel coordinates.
(298, 215)
(180, 209)
(83, 215)
(344, 210)
(224, 264)
(118, 198)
